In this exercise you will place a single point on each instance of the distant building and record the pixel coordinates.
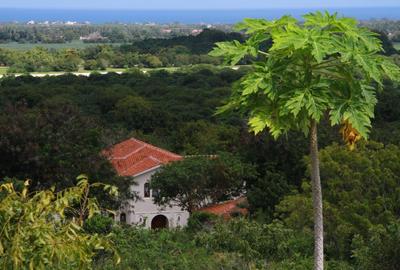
(93, 37)
(139, 161)
(195, 32)
(30, 22)
(70, 23)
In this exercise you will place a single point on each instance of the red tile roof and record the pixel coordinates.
(133, 157)
(226, 209)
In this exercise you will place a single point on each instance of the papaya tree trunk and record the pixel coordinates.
(317, 200)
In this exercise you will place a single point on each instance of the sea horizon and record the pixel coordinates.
(221, 16)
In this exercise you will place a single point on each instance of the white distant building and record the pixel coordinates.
(31, 22)
(195, 32)
(70, 23)
(139, 160)
(93, 37)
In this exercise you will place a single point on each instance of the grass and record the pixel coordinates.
(76, 44)
(396, 45)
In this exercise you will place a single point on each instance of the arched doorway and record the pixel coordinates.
(159, 222)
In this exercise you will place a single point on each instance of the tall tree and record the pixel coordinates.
(198, 181)
(324, 67)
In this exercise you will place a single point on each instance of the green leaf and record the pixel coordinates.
(293, 37)
(257, 123)
(253, 25)
(232, 52)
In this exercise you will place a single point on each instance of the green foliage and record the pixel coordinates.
(166, 249)
(306, 263)
(195, 181)
(53, 143)
(265, 193)
(264, 243)
(361, 191)
(199, 221)
(39, 233)
(202, 137)
(99, 224)
(152, 53)
(236, 244)
(380, 249)
(137, 113)
(66, 121)
(326, 65)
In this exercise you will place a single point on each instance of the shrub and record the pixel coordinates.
(201, 221)
(98, 224)
(380, 250)
(168, 250)
(252, 240)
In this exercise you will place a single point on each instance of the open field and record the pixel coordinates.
(76, 44)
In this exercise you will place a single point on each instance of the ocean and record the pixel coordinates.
(180, 16)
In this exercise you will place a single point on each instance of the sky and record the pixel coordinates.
(193, 4)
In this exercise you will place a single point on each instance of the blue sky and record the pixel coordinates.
(194, 4)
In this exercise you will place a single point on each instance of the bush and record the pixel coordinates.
(380, 250)
(98, 224)
(252, 240)
(166, 249)
(201, 221)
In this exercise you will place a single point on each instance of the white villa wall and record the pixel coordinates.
(143, 210)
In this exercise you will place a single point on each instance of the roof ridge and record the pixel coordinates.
(130, 154)
(156, 148)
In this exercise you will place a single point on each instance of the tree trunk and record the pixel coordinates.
(317, 200)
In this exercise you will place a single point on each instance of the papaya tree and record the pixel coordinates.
(326, 66)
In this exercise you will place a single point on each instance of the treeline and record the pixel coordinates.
(113, 33)
(175, 52)
(148, 53)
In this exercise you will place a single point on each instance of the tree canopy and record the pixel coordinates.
(327, 65)
(197, 181)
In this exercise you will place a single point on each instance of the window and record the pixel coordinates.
(122, 218)
(147, 190)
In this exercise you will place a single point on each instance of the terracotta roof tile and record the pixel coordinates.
(133, 157)
(225, 209)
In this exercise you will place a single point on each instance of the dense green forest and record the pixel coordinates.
(54, 129)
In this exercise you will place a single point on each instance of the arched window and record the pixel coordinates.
(122, 218)
(147, 190)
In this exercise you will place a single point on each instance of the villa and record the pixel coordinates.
(139, 161)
